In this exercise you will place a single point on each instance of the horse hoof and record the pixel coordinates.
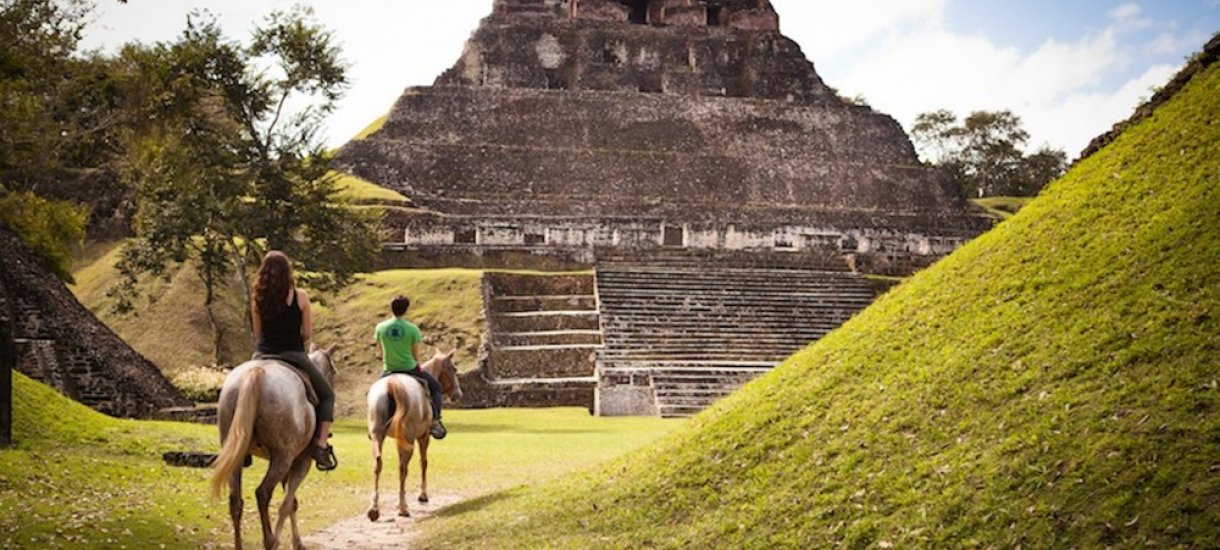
(373, 515)
(423, 499)
(404, 514)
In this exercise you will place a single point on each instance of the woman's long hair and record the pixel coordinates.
(271, 286)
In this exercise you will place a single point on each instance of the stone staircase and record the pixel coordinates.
(542, 333)
(691, 332)
(684, 390)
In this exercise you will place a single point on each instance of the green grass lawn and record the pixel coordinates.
(77, 478)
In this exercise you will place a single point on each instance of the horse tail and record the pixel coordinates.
(241, 430)
(398, 427)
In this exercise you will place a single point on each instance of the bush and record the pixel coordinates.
(49, 227)
(200, 384)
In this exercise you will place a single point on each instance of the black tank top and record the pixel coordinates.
(284, 332)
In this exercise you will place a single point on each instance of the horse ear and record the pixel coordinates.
(330, 350)
(450, 354)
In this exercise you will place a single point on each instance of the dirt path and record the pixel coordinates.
(390, 531)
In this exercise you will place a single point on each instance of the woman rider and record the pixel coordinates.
(283, 326)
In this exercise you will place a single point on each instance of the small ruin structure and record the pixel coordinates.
(60, 343)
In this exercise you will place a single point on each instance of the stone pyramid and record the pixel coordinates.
(579, 125)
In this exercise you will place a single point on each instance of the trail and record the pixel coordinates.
(390, 531)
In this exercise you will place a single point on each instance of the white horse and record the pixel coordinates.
(265, 411)
(401, 406)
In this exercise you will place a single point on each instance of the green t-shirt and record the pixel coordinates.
(398, 338)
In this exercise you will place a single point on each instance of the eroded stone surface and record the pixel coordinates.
(62, 344)
(567, 126)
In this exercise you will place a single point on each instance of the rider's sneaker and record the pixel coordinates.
(438, 430)
(325, 458)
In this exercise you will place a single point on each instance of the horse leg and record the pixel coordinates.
(376, 440)
(291, 504)
(404, 459)
(423, 468)
(235, 506)
(276, 473)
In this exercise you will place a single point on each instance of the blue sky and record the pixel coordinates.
(1069, 68)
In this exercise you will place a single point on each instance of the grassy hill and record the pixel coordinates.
(174, 333)
(1054, 383)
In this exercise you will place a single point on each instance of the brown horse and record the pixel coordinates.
(400, 405)
(265, 411)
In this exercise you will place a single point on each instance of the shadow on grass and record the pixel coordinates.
(474, 504)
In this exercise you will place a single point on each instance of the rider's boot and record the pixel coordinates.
(438, 430)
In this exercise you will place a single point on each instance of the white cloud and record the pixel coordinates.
(1125, 12)
(913, 64)
(828, 28)
(1079, 117)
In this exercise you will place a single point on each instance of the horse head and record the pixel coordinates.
(324, 359)
(448, 376)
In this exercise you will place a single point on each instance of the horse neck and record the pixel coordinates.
(436, 368)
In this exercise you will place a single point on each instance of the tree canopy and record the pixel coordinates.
(985, 152)
(227, 163)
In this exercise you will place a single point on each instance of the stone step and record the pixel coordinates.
(557, 347)
(563, 302)
(542, 323)
(611, 286)
(692, 389)
(829, 318)
(563, 381)
(665, 296)
(548, 337)
(697, 272)
(540, 361)
(556, 313)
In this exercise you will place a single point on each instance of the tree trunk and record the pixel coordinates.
(208, 299)
(239, 258)
(8, 359)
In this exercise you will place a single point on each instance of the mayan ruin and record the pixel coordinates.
(659, 139)
(60, 343)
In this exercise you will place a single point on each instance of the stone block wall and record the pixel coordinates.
(61, 343)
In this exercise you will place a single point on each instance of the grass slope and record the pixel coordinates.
(174, 333)
(79, 479)
(363, 192)
(1002, 208)
(1051, 384)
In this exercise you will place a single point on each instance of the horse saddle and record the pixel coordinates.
(310, 394)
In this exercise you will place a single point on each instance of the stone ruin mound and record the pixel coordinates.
(573, 124)
(62, 344)
(680, 147)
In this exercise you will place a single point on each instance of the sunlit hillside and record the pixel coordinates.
(174, 333)
(1053, 384)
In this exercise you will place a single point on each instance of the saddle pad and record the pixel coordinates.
(310, 394)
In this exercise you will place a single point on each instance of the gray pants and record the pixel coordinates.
(300, 360)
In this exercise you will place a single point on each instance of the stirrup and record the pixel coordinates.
(438, 430)
(325, 459)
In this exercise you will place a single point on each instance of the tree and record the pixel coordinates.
(58, 118)
(8, 363)
(224, 169)
(985, 152)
